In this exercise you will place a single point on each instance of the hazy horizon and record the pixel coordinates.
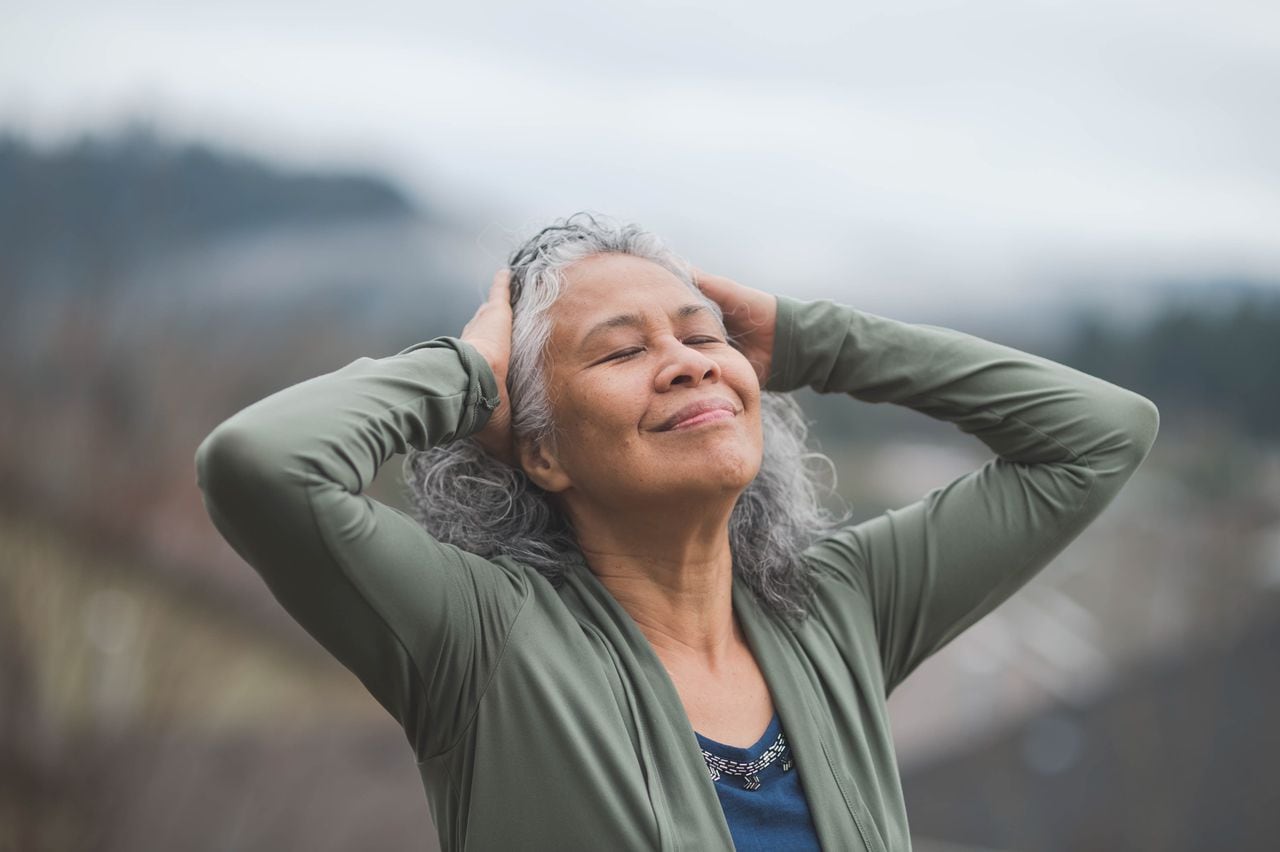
(985, 159)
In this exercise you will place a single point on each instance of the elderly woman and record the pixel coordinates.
(620, 619)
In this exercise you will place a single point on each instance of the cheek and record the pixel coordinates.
(605, 411)
(749, 391)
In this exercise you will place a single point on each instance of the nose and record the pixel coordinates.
(685, 365)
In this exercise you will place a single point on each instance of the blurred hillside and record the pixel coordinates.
(88, 214)
(1178, 757)
(150, 289)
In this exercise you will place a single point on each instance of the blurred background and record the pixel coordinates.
(202, 205)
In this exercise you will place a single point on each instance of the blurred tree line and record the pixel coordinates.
(1218, 351)
(82, 214)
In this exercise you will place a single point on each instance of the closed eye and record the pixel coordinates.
(627, 353)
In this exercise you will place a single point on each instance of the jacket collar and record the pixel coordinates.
(688, 810)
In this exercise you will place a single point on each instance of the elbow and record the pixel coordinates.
(1148, 422)
(227, 461)
(1141, 419)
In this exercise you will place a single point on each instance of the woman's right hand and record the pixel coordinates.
(489, 331)
(750, 317)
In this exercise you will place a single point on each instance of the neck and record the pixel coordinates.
(671, 569)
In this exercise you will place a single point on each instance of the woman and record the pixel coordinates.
(617, 622)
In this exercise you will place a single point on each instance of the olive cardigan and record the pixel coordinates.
(540, 717)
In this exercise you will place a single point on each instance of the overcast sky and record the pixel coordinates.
(984, 154)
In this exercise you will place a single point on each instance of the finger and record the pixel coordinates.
(716, 286)
(706, 282)
(702, 276)
(500, 289)
(722, 291)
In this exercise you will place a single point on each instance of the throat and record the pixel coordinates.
(733, 706)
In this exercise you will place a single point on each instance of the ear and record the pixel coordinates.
(540, 465)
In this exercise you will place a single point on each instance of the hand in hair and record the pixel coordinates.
(750, 317)
(489, 331)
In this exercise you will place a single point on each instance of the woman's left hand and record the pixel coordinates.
(750, 317)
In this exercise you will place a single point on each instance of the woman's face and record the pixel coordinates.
(631, 348)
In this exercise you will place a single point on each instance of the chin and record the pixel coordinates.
(725, 468)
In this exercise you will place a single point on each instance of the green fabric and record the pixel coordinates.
(541, 718)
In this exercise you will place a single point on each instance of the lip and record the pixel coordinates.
(696, 409)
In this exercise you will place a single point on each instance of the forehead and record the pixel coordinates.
(604, 286)
(614, 275)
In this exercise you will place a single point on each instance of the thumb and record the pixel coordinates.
(500, 289)
(723, 291)
(712, 285)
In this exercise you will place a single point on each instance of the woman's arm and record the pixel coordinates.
(421, 623)
(1065, 443)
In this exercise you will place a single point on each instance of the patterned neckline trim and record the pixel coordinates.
(748, 772)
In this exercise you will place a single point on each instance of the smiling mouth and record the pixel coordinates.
(703, 419)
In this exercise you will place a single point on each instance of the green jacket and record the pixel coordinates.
(542, 719)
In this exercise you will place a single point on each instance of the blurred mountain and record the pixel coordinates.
(80, 214)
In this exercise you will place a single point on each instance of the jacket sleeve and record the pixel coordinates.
(421, 623)
(1065, 443)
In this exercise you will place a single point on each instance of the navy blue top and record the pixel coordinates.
(775, 814)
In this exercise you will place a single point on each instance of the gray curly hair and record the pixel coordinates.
(465, 497)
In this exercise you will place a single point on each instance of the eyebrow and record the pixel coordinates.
(637, 321)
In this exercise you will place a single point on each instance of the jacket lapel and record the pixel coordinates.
(839, 816)
(687, 809)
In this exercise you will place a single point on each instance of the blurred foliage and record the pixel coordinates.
(1218, 351)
